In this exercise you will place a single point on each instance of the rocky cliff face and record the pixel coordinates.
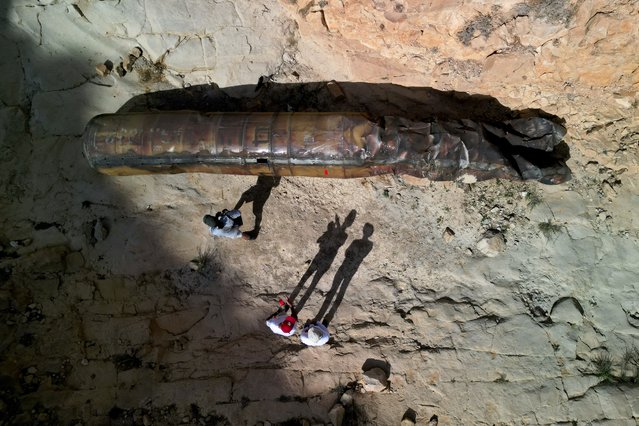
(572, 59)
(483, 303)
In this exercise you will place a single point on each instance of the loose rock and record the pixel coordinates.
(136, 52)
(347, 398)
(120, 70)
(102, 70)
(492, 244)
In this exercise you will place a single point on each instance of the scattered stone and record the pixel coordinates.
(105, 68)
(347, 398)
(127, 63)
(434, 420)
(146, 420)
(448, 235)
(120, 70)
(492, 243)
(375, 380)
(336, 415)
(102, 70)
(136, 52)
(84, 361)
(335, 90)
(409, 418)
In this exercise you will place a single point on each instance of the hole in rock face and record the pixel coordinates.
(410, 415)
(371, 363)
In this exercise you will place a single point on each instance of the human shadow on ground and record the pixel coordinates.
(355, 254)
(329, 244)
(258, 194)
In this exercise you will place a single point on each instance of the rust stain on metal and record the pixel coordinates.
(334, 145)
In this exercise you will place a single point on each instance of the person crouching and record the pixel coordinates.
(280, 322)
(314, 334)
(227, 224)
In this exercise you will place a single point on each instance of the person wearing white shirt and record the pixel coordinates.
(281, 322)
(314, 334)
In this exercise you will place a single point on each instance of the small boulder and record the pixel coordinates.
(127, 63)
(409, 418)
(347, 398)
(136, 52)
(102, 70)
(120, 69)
(492, 243)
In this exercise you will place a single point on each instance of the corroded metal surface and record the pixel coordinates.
(334, 145)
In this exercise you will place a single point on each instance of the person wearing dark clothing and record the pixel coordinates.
(226, 223)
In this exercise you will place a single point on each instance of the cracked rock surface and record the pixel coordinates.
(117, 307)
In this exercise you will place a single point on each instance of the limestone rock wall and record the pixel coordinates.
(573, 59)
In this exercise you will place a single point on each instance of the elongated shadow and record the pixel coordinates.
(375, 99)
(355, 254)
(258, 194)
(329, 244)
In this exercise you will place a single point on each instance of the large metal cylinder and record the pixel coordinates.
(334, 145)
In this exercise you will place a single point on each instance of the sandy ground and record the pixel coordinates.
(117, 307)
